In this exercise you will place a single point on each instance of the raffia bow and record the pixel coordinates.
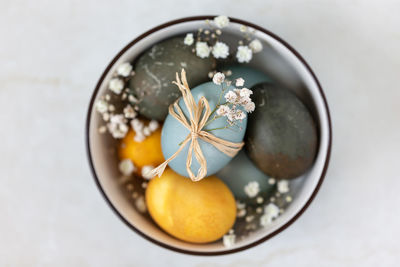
(198, 120)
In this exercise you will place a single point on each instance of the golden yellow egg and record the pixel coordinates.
(147, 152)
(197, 212)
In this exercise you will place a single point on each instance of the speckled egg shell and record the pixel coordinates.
(155, 70)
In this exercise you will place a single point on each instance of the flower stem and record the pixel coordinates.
(220, 128)
(218, 104)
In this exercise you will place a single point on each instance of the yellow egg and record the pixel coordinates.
(147, 152)
(197, 212)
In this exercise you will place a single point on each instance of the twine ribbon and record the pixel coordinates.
(195, 126)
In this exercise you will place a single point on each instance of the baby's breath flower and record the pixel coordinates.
(153, 125)
(223, 110)
(220, 50)
(244, 54)
(137, 125)
(141, 204)
(283, 186)
(117, 126)
(221, 21)
(272, 210)
(126, 167)
(239, 82)
(243, 28)
(146, 131)
(188, 39)
(202, 49)
(139, 137)
(265, 220)
(146, 172)
(249, 107)
(218, 78)
(116, 85)
(229, 240)
(239, 115)
(231, 97)
(124, 69)
(256, 46)
(245, 92)
(129, 112)
(252, 189)
(106, 116)
(101, 106)
(244, 100)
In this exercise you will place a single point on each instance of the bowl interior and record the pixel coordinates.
(279, 62)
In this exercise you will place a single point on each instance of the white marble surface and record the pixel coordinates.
(52, 53)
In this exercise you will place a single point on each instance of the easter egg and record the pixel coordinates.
(197, 212)
(239, 173)
(155, 70)
(250, 75)
(173, 133)
(146, 152)
(281, 137)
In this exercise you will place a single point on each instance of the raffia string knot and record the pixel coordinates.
(199, 114)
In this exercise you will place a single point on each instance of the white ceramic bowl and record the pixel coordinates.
(283, 64)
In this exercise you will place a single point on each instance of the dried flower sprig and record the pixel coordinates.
(236, 101)
(208, 41)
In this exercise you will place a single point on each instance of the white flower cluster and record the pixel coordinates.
(124, 70)
(126, 167)
(229, 239)
(271, 212)
(244, 54)
(146, 172)
(189, 39)
(116, 85)
(142, 131)
(283, 186)
(101, 106)
(117, 126)
(140, 204)
(252, 189)
(235, 98)
(241, 97)
(219, 49)
(202, 49)
(218, 78)
(221, 21)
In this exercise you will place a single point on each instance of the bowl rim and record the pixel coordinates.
(205, 253)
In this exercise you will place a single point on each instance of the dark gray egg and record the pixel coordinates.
(281, 137)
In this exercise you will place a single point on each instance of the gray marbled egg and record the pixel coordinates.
(281, 137)
(239, 173)
(155, 70)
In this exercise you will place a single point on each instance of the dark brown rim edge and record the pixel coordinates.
(280, 229)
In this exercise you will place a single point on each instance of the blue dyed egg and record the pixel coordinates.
(173, 133)
(250, 76)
